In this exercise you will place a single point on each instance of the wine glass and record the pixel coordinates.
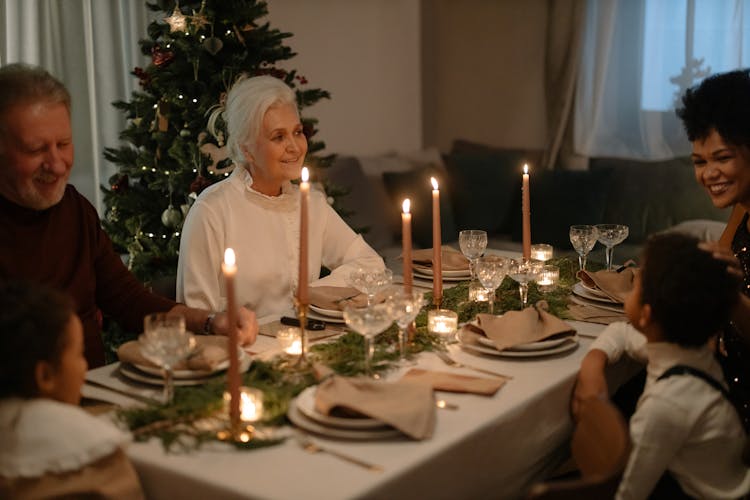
(583, 238)
(368, 322)
(405, 306)
(165, 342)
(609, 236)
(491, 271)
(370, 281)
(473, 243)
(524, 272)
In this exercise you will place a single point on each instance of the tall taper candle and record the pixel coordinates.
(526, 212)
(304, 192)
(229, 268)
(406, 244)
(437, 246)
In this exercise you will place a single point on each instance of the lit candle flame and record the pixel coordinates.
(248, 408)
(305, 174)
(434, 183)
(229, 258)
(406, 205)
(295, 348)
(525, 168)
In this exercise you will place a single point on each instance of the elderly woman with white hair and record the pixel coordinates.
(255, 211)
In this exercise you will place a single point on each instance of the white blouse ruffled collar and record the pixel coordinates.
(286, 201)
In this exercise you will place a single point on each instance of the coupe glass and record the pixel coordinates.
(370, 281)
(368, 322)
(405, 306)
(491, 271)
(583, 238)
(524, 272)
(165, 342)
(473, 242)
(609, 236)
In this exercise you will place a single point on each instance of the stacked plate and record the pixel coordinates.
(154, 376)
(327, 315)
(425, 273)
(588, 296)
(303, 414)
(479, 344)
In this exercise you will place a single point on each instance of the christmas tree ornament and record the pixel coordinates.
(120, 185)
(177, 21)
(199, 19)
(213, 45)
(161, 57)
(185, 132)
(171, 217)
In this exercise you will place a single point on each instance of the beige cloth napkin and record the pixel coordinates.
(210, 352)
(408, 407)
(336, 297)
(592, 314)
(614, 285)
(452, 259)
(451, 382)
(522, 327)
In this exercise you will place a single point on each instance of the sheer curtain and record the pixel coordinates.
(92, 46)
(638, 56)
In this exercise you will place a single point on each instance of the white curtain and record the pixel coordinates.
(91, 46)
(638, 57)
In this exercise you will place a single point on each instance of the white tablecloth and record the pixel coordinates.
(490, 448)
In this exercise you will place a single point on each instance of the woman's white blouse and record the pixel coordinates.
(264, 233)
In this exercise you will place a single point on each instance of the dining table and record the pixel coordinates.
(485, 447)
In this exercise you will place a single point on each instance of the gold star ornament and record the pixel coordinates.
(177, 21)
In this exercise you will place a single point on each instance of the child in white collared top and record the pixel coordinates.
(49, 447)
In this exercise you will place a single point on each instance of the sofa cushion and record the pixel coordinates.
(415, 185)
(560, 199)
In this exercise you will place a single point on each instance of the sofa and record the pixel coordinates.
(481, 189)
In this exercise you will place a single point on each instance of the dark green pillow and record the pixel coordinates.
(483, 187)
(415, 185)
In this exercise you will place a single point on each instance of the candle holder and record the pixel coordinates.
(251, 410)
(541, 251)
(443, 322)
(302, 361)
(548, 278)
(477, 292)
(290, 341)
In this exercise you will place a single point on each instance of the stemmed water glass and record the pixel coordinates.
(165, 342)
(609, 236)
(473, 242)
(583, 238)
(368, 322)
(370, 281)
(405, 306)
(524, 272)
(491, 271)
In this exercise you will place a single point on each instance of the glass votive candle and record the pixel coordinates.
(548, 278)
(442, 322)
(290, 341)
(251, 404)
(477, 292)
(541, 251)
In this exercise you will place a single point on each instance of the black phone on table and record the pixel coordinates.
(312, 324)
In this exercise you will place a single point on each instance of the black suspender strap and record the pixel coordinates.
(689, 370)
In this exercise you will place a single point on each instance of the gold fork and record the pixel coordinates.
(452, 362)
(311, 447)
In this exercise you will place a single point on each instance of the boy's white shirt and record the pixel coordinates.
(681, 423)
(40, 436)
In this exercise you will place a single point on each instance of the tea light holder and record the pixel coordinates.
(442, 322)
(548, 278)
(477, 292)
(290, 341)
(251, 410)
(541, 251)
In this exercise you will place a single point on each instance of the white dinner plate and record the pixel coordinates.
(155, 377)
(531, 346)
(179, 374)
(455, 273)
(587, 293)
(306, 404)
(332, 313)
(328, 319)
(418, 275)
(618, 308)
(301, 421)
(569, 344)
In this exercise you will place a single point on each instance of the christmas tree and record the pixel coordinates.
(197, 50)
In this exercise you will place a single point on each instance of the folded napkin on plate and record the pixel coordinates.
(522, 327)
(336, 297)
(593, 314)
(210, 352)
(452, 260)
(451, 382)
(614, 285)
(408, 407)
